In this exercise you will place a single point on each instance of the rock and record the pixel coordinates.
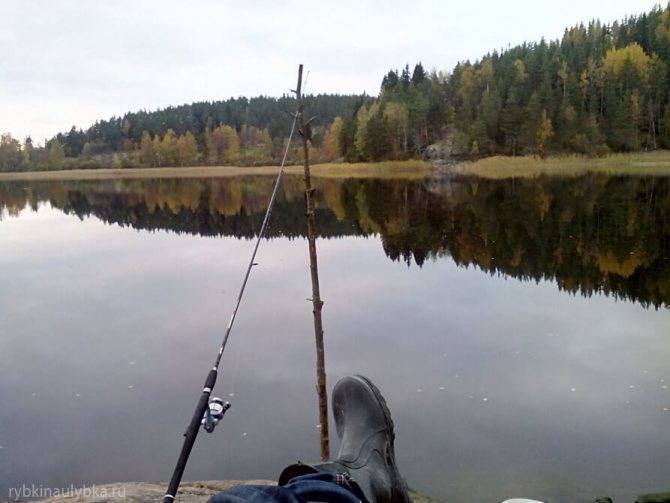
(451, 149)
(438, 151)
(145, 492)
(140, 492)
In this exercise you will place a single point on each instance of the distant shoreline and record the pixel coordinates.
(655, 163)
(411, 169)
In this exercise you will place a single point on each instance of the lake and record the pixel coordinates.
(519, 329)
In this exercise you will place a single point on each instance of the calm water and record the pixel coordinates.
(520, 329)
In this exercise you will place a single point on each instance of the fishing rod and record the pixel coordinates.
(208, 413)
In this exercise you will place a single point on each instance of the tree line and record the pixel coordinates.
(243, 131)
(600, 88)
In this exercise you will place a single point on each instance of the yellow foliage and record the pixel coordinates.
(55, 155)
(188, 193)
(331, 141)
(517, 257)
(366, 222)
(255, 145)
(166, 149)
(486, 71)
(543, 202)
(466, 82)
(545, 132)
(520, 67)
(615, 59)
(187, 149)
(223, 144)
(396, 224)
(397, 117)
(663, 28)
(362, 119)
(332, 193)
(360, 136)
(574, 35)
(609, 263)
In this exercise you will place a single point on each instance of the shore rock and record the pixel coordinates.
(140, 492)
(145, 492)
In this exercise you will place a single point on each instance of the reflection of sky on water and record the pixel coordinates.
(498, 387)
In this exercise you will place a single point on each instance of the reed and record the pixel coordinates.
(656, 163)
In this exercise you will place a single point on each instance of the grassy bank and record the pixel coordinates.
(393, 169)
(656, 163)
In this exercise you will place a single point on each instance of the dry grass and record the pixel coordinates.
(389, 169)
(394, 169)
(655, 163)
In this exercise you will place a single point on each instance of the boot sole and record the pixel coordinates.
(391, 426)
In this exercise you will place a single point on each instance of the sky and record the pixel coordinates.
(66, 62)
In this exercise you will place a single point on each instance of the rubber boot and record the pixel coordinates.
(365, 429)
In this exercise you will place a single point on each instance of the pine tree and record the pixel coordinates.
(418, 75)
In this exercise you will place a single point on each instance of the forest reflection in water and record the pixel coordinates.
(590, 234)
(499, 387)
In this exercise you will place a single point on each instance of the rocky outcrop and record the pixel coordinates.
(145, 492)
(447, 151)
(438, 151)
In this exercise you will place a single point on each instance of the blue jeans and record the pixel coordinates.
(323, 487)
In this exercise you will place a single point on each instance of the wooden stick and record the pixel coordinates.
(317, 303)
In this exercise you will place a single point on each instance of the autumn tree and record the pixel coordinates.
(360, 137)
(397, 118)
(545, 132)
(56, 155)
(187, 149)
(255, 145)
(148, 151)
(223, 145)
(10, 153)
(27, 154)
(166, 149)
(87, 151)
(332, 139)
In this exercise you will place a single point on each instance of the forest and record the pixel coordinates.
(601, 88)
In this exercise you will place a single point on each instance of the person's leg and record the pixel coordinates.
(365, 429)
(365, 469)
(324, 487)
(240, 494)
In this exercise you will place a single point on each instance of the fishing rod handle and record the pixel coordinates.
(190, 436)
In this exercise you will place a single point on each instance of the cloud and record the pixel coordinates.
(69, 62)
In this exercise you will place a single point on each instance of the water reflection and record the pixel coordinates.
(499, 388)
(589, 234)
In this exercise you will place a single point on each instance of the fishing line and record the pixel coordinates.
(209, 413)
(266, 219)
(304, 84)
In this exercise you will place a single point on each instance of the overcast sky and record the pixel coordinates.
(65, 63)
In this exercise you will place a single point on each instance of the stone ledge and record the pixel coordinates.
(145, 492)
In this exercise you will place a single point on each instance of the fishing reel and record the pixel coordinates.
(214, 414)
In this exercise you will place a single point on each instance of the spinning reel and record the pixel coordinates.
(214, 414)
